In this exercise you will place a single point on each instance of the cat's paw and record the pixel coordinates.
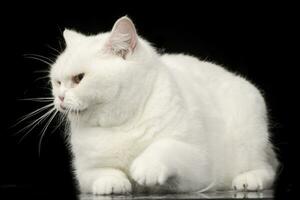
(149, 172)
(248, 181)
(111, 185)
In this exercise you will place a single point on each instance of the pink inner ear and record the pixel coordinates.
(124, 26)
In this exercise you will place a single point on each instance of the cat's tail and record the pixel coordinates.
(209, 187)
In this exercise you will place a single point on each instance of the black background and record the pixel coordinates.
(256, 41)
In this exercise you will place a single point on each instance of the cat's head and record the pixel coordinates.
(95, 74)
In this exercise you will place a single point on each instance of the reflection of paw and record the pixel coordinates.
(248, 181)
(149, 172)
(111, 185)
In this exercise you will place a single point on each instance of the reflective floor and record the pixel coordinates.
(268, 194)
(29, 192)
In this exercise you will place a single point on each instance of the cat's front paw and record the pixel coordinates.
(149, 172)
(247, 181)
(111, 185)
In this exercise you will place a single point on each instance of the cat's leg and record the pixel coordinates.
(182, 166)
(247, 151)
(255, 165)
(254, 180)
(104, 181)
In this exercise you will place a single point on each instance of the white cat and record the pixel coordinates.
(140, 121)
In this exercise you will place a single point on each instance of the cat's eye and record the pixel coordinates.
(58, 82)
(76, 79)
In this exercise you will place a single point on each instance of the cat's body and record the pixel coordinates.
(171, 123)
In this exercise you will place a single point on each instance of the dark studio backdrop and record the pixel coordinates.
(255, 41)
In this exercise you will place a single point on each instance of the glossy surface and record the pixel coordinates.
(268, 194)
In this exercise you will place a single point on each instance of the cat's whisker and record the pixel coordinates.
(45, 128)
(46, 88)
(41, 99)
(66, 123)
(41, 78)
(42, 71)
(36, 121)
(61, 38)
(34, 124)
(62, 118)
(39, 56)
(39, 59)
(66, 130)
(54, 49)
(33, 113)
(60, 45)
(68, 111)
(77, 114)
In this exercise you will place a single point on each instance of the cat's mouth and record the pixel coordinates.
(73, 111)
(77, 111)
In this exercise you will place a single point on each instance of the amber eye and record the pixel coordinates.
(76, 79)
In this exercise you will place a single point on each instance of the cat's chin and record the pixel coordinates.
(77, 112)
(75, 115)
(73, 112)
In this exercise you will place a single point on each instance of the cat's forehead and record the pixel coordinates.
(85, 45)
(78, 55)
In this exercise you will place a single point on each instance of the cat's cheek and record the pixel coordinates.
(110, 93)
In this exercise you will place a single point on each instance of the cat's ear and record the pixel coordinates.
(71, 36)
(123, 37)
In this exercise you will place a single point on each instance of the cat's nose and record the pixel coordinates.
(61, 98)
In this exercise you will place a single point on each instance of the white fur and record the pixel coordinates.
(151, 122)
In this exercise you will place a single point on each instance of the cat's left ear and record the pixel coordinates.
(123, 38)
(71, 36)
